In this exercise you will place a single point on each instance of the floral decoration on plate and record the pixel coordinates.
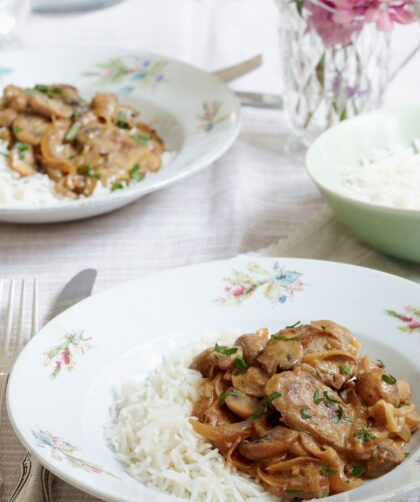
(145, 72)
(410, 317)
(62, 450)
(64, 354)
(279, 284)
(210, 116)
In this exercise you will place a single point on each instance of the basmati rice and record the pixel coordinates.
(152, 437)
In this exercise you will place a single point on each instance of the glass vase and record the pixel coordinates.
(328, 76)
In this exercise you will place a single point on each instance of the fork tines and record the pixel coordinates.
(13, 317)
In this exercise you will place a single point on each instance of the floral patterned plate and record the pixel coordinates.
(63, 384)
(193, 111)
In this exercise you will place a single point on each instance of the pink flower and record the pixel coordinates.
(385, 14)
(63, 358)
(414, 325)
(337, 21)
(332, 30)
(236, 290)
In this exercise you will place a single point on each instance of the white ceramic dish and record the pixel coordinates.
(59, 405)
(194, 112)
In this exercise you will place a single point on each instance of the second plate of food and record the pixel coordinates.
(252, 379)
(86, 131)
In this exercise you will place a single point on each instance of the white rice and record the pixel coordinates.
(388, 177)
(38, 189)
(152, 437)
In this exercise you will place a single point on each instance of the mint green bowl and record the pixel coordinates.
(391, 230)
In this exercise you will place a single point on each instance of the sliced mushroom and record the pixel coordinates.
(21, 159)
(241, 404)
(334, 367)
(385, 456)
(49, 107)
(225, 360)
(30, 128)
(372, 386)
(7, 117)
(204, 362)
(404, 391)
(253, 344)
(5, 134)
(252, 382)
(105, 106)
(271, 445)
(283, 353)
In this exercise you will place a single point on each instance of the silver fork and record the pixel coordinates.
(13, 340)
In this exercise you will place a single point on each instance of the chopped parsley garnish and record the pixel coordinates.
(345, 370)
(225, 352)
(51, 93)
(364, 435)
(88, 171)
(21, 148)
(121, 122)
(293, 325)
(135, 173)
(380, 363)
(230, 392)
(317, 396)
(357, 470)
(256, 414)
(16, 129)
(406, 454)
(304, 413)
(282, 338)
(323, 327)
(271, 397)
(329, 399)
(240, 365)
(116, 186)
(293, 490)
(266, 403)
(389, 379)
(72, 133)
(141, 139)
(325, 471)
(41, 88)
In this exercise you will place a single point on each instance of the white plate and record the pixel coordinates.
(193, 111)
(119, 333)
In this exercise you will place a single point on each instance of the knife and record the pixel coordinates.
(253, 99)
(36, 481)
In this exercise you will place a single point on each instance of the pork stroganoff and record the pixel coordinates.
(301, 411)
(298, 414)
(81, 146)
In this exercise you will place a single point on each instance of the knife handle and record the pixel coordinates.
(35, 483)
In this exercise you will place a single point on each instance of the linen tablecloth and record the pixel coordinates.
(247, 200)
